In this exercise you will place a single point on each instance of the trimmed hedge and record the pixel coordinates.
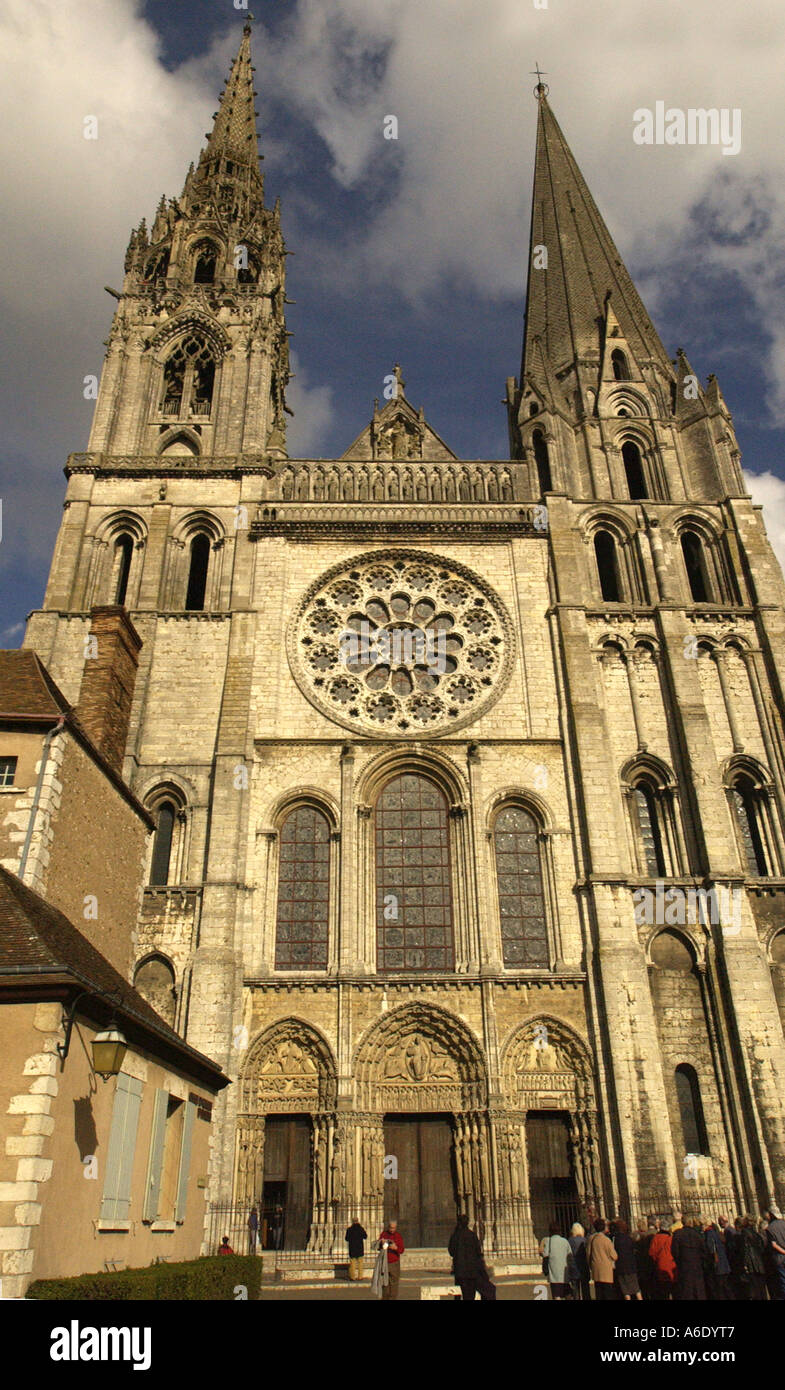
(212, 1277)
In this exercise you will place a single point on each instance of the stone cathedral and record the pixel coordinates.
(468, 776)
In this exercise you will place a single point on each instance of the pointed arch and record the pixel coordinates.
(542, 461)
(289, 1067)
(420, 1058)
(654, 822)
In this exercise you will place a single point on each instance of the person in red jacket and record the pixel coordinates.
(663, 1261)
(392, 1240)
(225, 1248)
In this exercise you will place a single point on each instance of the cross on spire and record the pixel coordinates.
(541, 90)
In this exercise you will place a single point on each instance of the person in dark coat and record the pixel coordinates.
(643, 1265)
(355, 1239)
(468, 1264)
(626, 1273)
(753, 1275)
(733, 1248)
(718, 1285)
(689, 1252)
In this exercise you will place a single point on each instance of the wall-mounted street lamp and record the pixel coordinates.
(108, 1047)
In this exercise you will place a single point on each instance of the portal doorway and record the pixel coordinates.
(553, 1193)
(287, 1181)
(422, 1197)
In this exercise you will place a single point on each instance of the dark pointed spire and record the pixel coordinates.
(234, 133)
(567, 300)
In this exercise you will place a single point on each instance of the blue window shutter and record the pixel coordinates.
(116, 1202)
(156, 1160)
(185, 1160)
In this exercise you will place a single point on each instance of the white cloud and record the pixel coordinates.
(769, 491)
(313, 412)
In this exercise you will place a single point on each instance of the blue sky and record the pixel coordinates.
(412, 250)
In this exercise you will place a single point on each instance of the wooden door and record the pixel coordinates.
(552, 1191)
(287, 1171)
(422, 1197)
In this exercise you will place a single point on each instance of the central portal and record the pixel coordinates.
(422, 1196)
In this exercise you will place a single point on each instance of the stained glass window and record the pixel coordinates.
(519, 880)
(413, 892)
(303, 891)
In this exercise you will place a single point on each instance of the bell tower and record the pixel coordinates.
(197, 358)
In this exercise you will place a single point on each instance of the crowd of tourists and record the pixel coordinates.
(669, 1258)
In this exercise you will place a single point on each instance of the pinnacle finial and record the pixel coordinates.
(399, 378)
(542, 88)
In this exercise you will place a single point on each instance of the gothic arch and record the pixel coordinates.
(437, 767)
(524, 797)
(547, 1055)
(419, 1058)
(680, 935)
(182, 435)
(304, 796)
(163, 340)
(290, 1067)
(156, 980)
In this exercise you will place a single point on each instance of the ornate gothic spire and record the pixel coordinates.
(569, 285)
(234, 134)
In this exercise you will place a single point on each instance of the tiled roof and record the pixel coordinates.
(39, 943)
(26, 688)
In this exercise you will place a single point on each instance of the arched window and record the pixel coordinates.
(633, 467)
(154, 979)
(607, 569)
(621, 370)
(204, 267)
(693, 1124)
(648, 815)
(413, 889)
(189, 378)
(248, 274)
(695, 565)
(157, 266)
(303, 891)
(121, 567)
(162, 843)
(197, 573)
(542, 460)
(748, 804)
(519, 883)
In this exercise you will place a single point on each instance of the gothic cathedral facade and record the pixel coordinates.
(469, 777)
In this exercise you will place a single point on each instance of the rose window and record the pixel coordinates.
(397, 643)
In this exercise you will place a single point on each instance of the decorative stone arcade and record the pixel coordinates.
(418, 1061)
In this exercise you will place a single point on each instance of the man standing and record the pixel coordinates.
(276, 1228)
(775, 1239)
(253, 1231)
(355, 1239)
(391, 1241)
(468, 1265)
(688, 1250)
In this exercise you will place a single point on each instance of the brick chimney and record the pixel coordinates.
(108, 680)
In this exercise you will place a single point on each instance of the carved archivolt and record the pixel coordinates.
(420, 1058)
(289, 1068)
(546, 1066)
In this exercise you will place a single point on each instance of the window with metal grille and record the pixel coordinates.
(648, 809)
(413, 892)
(189, 378)
(748, 820)
(519, 882)
(303, 891)
(7, 771)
